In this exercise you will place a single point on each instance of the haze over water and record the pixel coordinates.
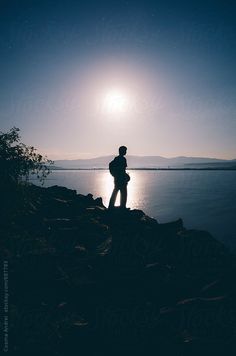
(205, 200)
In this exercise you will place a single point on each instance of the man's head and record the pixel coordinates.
(122, 150)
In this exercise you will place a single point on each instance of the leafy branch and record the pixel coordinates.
(18, 161)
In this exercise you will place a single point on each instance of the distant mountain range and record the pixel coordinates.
(147, 162)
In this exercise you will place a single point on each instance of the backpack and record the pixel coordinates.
(113, 167)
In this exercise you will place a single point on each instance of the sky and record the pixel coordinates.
(82, 78)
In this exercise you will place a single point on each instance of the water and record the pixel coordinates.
(205, 200)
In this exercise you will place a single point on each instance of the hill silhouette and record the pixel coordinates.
(145, 162)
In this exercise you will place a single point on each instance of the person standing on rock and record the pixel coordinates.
(117, 169)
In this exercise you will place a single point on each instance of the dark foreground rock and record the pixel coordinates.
(88, 281)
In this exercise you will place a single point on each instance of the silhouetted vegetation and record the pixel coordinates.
(18, 161)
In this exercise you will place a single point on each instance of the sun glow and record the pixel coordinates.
(116, 101)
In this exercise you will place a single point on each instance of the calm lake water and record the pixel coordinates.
(205, 200)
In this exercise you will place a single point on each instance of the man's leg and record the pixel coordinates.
(113, 197)
(123, 196)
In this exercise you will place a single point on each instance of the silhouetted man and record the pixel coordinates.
(118, 170)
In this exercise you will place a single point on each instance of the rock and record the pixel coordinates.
(145, 285)
(56, 207)
(99, 203)
(60, 192)
(174, 226)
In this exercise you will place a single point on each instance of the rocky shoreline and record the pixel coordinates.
(86, 280)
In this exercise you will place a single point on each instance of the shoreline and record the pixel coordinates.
(145, 169)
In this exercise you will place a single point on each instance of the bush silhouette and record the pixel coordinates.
(18, 161)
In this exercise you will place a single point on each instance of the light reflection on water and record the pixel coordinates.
(105, 184)
(204, 199)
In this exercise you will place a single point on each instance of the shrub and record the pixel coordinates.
(18, 161)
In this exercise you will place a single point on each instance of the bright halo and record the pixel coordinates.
(116, 101)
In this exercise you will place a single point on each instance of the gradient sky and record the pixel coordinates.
(174, 61)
